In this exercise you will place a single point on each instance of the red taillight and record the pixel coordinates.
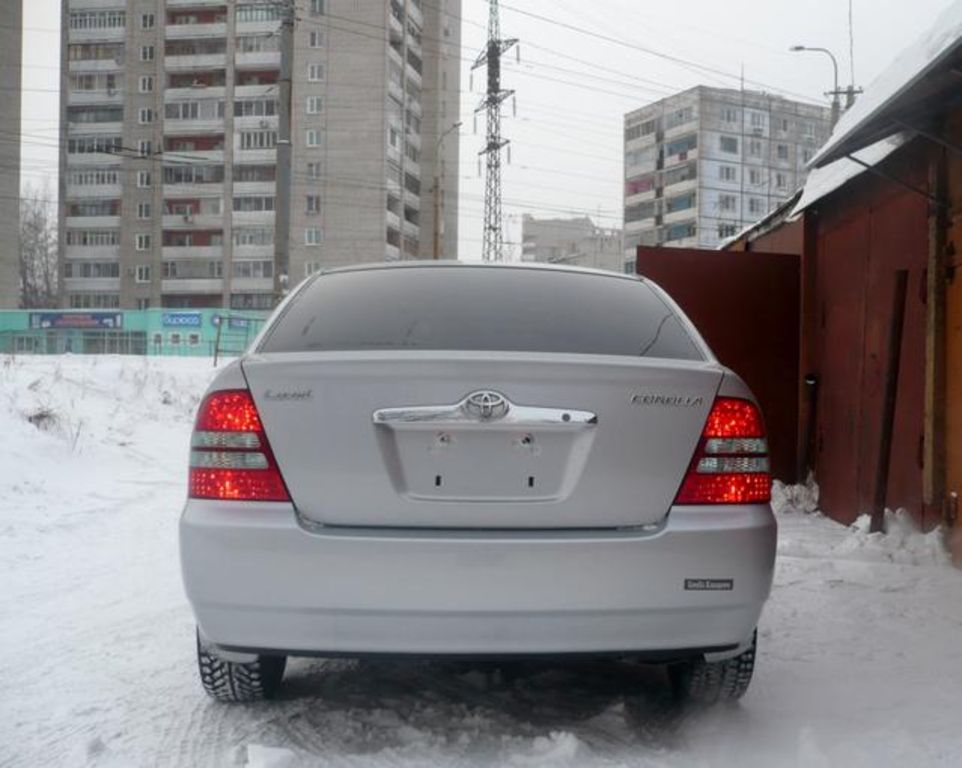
(230, 457)
(731, 464)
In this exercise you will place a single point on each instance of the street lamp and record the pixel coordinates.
(438, 192)
(836, 105)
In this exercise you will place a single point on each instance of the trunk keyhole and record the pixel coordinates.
(531, 481)
(437, 481)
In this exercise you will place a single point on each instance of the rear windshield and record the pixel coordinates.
(480, 309)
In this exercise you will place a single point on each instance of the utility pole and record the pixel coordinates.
(438, 252)
(493, 249)
(282, 206)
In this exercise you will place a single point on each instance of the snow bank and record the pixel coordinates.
(902, 542)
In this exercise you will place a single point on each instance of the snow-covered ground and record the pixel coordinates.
(860, 657)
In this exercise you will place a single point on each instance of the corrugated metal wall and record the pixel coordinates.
(865, 233)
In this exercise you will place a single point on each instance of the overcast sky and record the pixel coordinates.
(566, 138)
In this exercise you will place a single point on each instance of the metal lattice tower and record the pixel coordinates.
(491, 57)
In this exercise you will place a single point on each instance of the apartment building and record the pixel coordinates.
(577, 242)
(170, 120)
(703, 164)
(10, 51)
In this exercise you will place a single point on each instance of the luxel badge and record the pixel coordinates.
(709, 585)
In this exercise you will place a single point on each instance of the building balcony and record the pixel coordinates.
(681, 157)
(391, 252)
(193, 221)
(195, 252)
(641, 197)
(683, 129)
(196, 155)
(256, 123)
(111, 35)
(196, 92)
(214, 189)
(80, 98)
(255, 187)
(414, 14)
(680, 187)
(250, 284)
(92, 252)
(256, 156)
(194, 31)
(95, 65)
(640, 225)
(94, 191)
(255, 91)
(193, 285)
(87, 159)
(191, 127)
(642, 142)
(393, 220)
(92, 222)
(96, 129)
(195, 3)
(256, 27)
(675, 216)
(253, 252)
(253, 218)
(196, 62)
(395, 90)
(257, 59)
(100, 284)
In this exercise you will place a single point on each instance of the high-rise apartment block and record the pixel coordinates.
(10, 69)
(703, 164)
(170, 123)
(577, 242)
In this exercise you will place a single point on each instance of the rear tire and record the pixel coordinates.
(709, 682)
(230, 681)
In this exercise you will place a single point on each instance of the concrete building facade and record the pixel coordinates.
(705, 163)
(170, 120)
(11, 43)
(575, 242)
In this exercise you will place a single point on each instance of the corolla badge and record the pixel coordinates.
(667, 400)
(486, 405)
(288, 396)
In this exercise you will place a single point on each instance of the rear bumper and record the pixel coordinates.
(258, 580)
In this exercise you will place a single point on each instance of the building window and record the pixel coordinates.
(806, 155)
(258, 139)
(756, 205)
(143, 179)
(174, 339)
(755, 148)
(142, 242)
(147, 53)
(143, 210)
(727, 203)
(754, 176)
(730, 115)
(729, 145)
(317, 7)
(313, 236)
(757, 119)
(145, 116)
(142, 274)
(314, 105)
(145, 148)
(313, 138)
(311, 267)
(254, 203)
(316, 39)
(727, 230)
(313, 204)
(782, 151)
(146, 84)
(313, 170)
(147, 21)
(780, 181)
(315, 73)
(193, 339)
(726, 172)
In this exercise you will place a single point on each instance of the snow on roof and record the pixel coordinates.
(905, 72)
(823, 181)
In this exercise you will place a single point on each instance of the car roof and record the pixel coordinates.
(453, 264)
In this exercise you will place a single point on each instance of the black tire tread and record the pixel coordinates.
(235, 682)
(706, 682)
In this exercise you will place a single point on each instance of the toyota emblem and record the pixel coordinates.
(486, 405)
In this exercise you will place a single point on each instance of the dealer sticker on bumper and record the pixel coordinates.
(709, 585)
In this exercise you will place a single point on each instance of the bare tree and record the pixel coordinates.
(38, 248)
